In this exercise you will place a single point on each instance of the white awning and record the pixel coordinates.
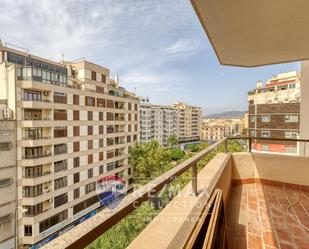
(252, 33)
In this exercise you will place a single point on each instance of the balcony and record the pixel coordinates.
(239, 200)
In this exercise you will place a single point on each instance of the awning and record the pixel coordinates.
(252, 33)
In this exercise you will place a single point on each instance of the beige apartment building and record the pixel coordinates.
(8, 178)
(190, 122)
(158, 122)
(74, 125)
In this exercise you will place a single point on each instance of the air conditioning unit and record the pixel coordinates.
(45, 93)
(6, 113)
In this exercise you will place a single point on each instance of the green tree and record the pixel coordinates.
(172, 140)
(176, 154)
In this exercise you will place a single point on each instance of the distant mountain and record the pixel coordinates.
(230, 114)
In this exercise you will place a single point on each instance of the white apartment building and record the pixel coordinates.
(158, 122)
(190, 122)
(8, 178)
(74, 125)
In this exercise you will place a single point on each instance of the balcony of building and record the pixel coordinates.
(238, 200)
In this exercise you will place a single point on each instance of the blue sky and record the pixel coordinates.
(158, 48)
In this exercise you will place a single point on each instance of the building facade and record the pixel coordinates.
(190, 122)
(274, 112)
(8, 178)
(74, 125)
(158, 122)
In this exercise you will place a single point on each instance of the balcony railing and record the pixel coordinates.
(39, 155)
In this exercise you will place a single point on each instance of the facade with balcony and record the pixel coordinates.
(73, 123)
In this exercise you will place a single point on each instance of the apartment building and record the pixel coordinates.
(74, 125)
(190, 122)
(216, 129)
(158, 122)
(8, 178)
(273, 112)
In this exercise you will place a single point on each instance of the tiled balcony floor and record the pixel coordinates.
(258, 217)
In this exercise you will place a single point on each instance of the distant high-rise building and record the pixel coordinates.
(74, 125)
(158, 122)
(190, 122)
(274, 110)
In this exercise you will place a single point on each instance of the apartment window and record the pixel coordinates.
(135, 127)
(135, 115)
(101, 129)
(103, 78)
(76, 193)
(265, 118)
(128, 139)
(90, 158)
(101, 142)
(252, 119)
(60, 149)
(32, 95)
(110, 166)
(90, 130)
(28, 231)
(129, 106)
(100, 102)
(75, 99)
(265, 133)
(76, 177)
(76, 130)
(93, 75)
(31, 211)
(90, 187)
(60, 114)
(101, 169)
(99, 89)
(76, 146)
(89, 115)
(134, 138)
(291, 118)
(60, 165)
(60, 200)
(75, 115)
(61, 182)
(60, 131)
(129, 117)
(129, 128)
(90, 144)
(101, 157)
(89, 101)
(60, 98)
(76, 162)
(5, 182)
(90, 173)
(290, 134)
(49, 222)
(32, 172)
(5, 145)
(33, 133)
(110, 154)
(32, 191)
(100, 115)
(109, 116)
(32, 114)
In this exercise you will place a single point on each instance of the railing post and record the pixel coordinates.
(225, 146)
(250, 144)
(194, 179)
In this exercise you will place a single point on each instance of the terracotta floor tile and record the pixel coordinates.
(239, 243)
(255, 242)
(287, 246)
(302, 244)
(269, 239)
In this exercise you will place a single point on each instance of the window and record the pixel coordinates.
(76, 131)
(61, 182)
(5, 145)
(93, 75)
(75, 99)
(101, 129)
(265, 118)
(101, 142)
(60, 114)
(101, 169)
(5, 182)
(90, 130)
(129, 106)
(32, 172)
(101, 157)
(90, 187)
(60, 131)
(32, 95)
(28, 231)
(31, 211)
(90, 144)
(100, 115)
(60, 200)
(76, 162)
(76, 146)
(60, 149)
(32, 191)
(90, 158)
(60, 165)
(76, 177)
(103, 78)
(90, 115)
(265, 133)
(60, 98)
(90, 173)
(49, 222)
(291, 118)
(290, 134)
(252, 119)
(89, 101)
(99, 89)
(75, 115)
(100, 102)
(76, 193)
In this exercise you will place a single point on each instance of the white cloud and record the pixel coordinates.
(183, 46)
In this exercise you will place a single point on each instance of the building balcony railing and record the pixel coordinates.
(222, 172)
(39, 155)
(36, 137)
(37, 100)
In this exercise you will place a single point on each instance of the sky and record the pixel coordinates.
(158, 48)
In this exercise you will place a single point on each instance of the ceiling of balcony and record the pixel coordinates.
(252, 33)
